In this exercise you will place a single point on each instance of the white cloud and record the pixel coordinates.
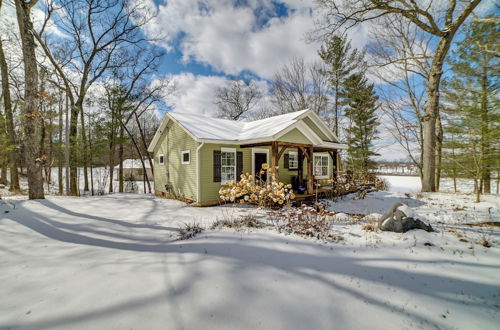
(232, 38)
(195, 94)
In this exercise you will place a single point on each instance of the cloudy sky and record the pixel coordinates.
(212, 41)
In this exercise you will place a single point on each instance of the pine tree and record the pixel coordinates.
(361, 104)
(472, 101)
(341, 61)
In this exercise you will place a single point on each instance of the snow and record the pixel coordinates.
(114, 261)
(134, 163)
(232, 130)
(100, 176)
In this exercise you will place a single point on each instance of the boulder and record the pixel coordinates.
(400, 219)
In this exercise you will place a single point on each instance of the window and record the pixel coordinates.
(293, 160)
(228, 165)
(161, 159)
(185, 157)
(321, 169)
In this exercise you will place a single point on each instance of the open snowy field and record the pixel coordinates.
(115, 262)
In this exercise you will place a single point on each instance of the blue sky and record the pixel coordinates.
(210, 42)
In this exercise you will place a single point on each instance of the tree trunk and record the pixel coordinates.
(31, 118)
(431, 114)
(90, 159)
(439, 154)
(73, 150)
(120, 156)
(485, 145)
(3, 176)
(59, 144)
(67, 149)
(138, 150)
(145, 146)
(84, 152)
(9, 123)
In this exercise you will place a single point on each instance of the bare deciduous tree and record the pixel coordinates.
(98, 30)
(235, 101)
(31, 116)
(11, 145)
(440, 20)
(298, 86)
(399, 57)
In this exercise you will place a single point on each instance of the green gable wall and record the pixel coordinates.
(294, 136)
(182, 177)
(316, 129)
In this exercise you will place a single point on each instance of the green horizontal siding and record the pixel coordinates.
(210, 189)
(295, 136)
(316, 129)
(182, 177)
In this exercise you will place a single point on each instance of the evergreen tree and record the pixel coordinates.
(473, 104)
(361, 104)
(341, 61)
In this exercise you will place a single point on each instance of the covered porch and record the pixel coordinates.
(305, 154)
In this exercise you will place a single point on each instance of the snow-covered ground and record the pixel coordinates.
(114, 262)
(100, 176)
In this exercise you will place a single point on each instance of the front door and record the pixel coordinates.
(260, 158)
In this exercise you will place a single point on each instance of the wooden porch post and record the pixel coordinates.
(333, 154)
(310, 179)
(300, 167)
(274, 159)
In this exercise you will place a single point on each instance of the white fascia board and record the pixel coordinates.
(304, 129)
(160, 130)
(321, 124)
(333, 145)
(158, 133)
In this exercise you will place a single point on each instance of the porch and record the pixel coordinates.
(305, 154)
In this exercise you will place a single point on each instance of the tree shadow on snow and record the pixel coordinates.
(313, 264)
(378, 202)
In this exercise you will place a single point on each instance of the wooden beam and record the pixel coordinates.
(304, 150)
(323, 149)
(293, 144)
(274, 159)
(251, 145)
(280, 143)
(310, 177)
(333, 154)
(300, 167)
(280, 153)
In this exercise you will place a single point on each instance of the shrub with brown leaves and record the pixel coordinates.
(305, 221)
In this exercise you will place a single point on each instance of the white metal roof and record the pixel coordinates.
(216, 130)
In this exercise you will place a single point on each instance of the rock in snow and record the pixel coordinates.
(400, 218)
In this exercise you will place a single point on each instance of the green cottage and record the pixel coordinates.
(194, 155)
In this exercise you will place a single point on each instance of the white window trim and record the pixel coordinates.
(296, 154)
(159, 161)
(182, 157)
(327, 168)
(232, 150)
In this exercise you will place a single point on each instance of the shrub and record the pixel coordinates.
(130, 184)
(305, 220)
(248, 221)
(250, 190)
(382, 184)
(189, 230)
